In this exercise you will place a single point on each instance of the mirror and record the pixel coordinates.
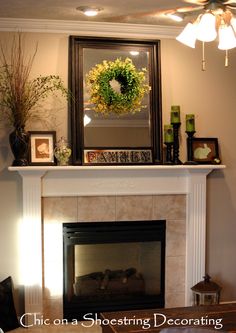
(108, 133)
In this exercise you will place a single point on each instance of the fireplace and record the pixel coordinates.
(113, 266)
(55, 195)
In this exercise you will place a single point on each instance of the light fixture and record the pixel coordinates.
(189, 35)
(227, 39)
(206, 28)
(215, 21)
(89, 11)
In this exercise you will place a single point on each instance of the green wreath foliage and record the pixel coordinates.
(117, 87)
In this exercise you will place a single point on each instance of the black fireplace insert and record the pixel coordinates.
(112, 266)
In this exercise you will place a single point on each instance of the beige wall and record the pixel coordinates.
(210, 95)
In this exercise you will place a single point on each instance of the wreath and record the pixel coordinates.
(116, 86)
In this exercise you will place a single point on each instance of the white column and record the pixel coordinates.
(31, 241)
(196, 231)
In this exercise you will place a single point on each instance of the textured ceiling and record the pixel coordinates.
(125, 11)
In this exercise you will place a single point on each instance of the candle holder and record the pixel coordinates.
(190, 148)
(168, 153)
(176, 159)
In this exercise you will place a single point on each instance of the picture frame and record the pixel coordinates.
(205, 150)
(129, 133)
(41, 147)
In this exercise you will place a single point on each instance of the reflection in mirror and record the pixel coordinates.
(126, 130)
(132, 137)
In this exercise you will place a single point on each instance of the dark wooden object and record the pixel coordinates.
(77, 45)
(227, 312)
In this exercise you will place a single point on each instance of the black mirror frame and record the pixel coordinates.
(76, 45)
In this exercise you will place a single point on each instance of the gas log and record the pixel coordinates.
(127, 281)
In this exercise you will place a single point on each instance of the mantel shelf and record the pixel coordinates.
(114, 179)
(184, 167)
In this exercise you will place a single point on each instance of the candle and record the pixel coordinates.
(175, 114)
(190, 123)
(168, 134)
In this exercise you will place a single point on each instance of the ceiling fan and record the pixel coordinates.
(179, 13)
(215, 19)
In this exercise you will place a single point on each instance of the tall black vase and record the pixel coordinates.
(19, 142)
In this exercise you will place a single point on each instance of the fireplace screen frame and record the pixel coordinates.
(104, 233)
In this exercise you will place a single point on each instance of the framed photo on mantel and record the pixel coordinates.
(205, 150)
(42, 145)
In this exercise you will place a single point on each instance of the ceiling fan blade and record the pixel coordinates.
(189, 9)
(137, 15)
(154, 13)
(229, 2)
(197, 2)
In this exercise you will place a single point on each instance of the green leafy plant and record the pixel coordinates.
(117, 86)
(20, 95)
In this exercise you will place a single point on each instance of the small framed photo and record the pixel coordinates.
(205, 150)
(42, 144)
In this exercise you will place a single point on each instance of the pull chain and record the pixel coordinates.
(226, 58)
(203, 57)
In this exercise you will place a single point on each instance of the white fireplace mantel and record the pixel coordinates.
(50, 181)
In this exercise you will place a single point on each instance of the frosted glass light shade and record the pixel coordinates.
(188, 36)
(206, 29)
(227, 39)
(233, 23)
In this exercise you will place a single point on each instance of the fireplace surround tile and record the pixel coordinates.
(175, 274)
(57, 210)
(173, 301)
(53, 308)
(134, 208)
(60, 209)
(175, 237)
(169, 207)
(99, 209)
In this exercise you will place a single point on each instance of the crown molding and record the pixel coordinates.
(85, 28)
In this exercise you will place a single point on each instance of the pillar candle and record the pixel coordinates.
(190, 123)
(168, 134)
(175, 114)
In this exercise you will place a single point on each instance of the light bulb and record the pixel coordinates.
(227, 39)
(206, 29)
(188, 35)
(89, 11)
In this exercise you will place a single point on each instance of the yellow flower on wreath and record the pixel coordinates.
(117, 87)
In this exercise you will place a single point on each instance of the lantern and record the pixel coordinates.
(206, 292)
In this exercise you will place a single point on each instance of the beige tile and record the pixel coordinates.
(61, 209)
(96, 208)
(174, 300)
(53, 308)
(175, 238)
(175, 274)
(169, 207)
(132, 208)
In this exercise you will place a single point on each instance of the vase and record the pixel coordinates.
(19, 142)
(62, 152)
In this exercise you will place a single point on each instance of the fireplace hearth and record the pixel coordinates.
(113, 266)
